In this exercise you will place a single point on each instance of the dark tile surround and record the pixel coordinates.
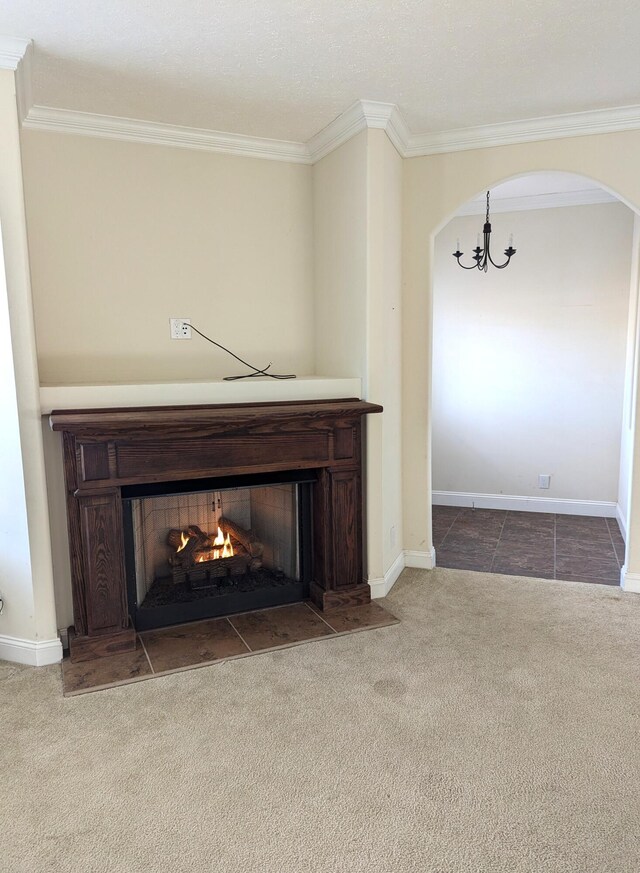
(574, 548)
(204, 642)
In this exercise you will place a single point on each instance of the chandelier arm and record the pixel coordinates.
(475, 266)
(499, 266)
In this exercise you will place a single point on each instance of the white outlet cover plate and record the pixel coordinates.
(179, 329)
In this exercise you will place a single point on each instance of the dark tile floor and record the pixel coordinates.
(186, 646)
(575, 548)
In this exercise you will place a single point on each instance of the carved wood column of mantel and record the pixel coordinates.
(106, 449)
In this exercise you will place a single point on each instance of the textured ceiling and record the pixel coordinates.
(286, 68)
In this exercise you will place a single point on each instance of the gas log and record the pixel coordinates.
(187, 554)
(247, 537)
(200, 557)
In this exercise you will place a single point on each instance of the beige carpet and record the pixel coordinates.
(494, 729)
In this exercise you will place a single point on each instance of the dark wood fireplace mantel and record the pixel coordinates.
(107, 449)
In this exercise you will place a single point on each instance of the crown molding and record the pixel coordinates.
(387, 117)
(132, 130)
(398, 132)
(347, 125)
(12, 51)
(15, 54)
(23, 83)
(526, 202)
(359, 116)
(528, 130)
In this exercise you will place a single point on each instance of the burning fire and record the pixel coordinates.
(227, 550)
(224, 548)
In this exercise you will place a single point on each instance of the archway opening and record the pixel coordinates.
(532, 383)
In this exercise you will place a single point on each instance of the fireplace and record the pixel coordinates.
(213, 547)
(157, 498)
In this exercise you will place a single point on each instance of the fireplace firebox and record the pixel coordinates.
(213, 547)
(174, 512)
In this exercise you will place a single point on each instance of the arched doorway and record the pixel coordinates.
(529, 367)
(435, 187)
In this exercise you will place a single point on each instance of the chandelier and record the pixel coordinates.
(483, 256)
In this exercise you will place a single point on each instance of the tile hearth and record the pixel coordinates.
(184, 647)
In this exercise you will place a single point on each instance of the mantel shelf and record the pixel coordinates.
(208, 420)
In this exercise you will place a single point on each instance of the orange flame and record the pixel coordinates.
(227, 551)
(227, 548)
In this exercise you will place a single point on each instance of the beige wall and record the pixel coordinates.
(57, 505)
(529, 362)
(434, 187)
(383, 348)
(357, 233)
(340, 237)
(26, 581)
(124, 236)
(631, 365)
(16, 588)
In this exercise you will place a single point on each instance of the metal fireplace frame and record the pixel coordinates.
(216, 605)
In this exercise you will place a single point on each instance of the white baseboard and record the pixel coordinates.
(622, 522)
(421, 560)
(36, 653)
(602, 508)
(381, 586)
(629, 582)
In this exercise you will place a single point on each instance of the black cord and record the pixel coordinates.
(256, 370)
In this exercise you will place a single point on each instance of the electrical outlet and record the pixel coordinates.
(544, 480)
(180, 328)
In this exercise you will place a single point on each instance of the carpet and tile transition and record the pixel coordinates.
(188, 646)
(494, 729)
